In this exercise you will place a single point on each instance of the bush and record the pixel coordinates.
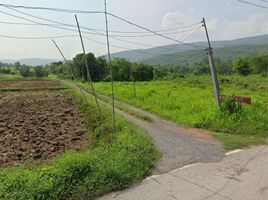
(242, 66)
(230, 106)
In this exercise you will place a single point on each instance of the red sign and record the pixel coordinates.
(245, 100)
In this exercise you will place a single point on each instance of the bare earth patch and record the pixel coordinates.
(30, 84)
(39, 126)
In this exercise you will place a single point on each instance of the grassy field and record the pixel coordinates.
(190, 102)
(107, 165)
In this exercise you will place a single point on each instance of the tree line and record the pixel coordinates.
(123, 70)
(23, 70)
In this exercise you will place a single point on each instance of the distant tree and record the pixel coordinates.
(40, 72)
(160, 72)
(242, 66)
(103, 68)
(200, 68)
(17, 65)
(259, 64)
(121, 69)
(79, 64)
(5, 70)
(25, 71)
(142, 72)
(223, 66)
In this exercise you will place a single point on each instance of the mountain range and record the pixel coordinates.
(179, 53)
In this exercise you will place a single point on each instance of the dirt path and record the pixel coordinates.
(179, 146)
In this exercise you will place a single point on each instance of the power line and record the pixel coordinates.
(57, 25)
(37, 38)
(48, 20)
(24, 24)
(113, 15)
(123, 48)
(73, 26)
(102, 30)
(264, 1)
(149, 30)
(253, 4)
(53, 9)
(148, 45)
(186, 37)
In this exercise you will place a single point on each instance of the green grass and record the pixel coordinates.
(9, 77)
(89, 174)
(190, 102)
(121, 106)
(232, 142)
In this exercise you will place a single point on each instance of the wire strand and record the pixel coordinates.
(147, 29)
(253, 4)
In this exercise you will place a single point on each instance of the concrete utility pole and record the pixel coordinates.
(212, 67)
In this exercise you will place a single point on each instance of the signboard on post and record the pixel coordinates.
(239, 99)
(244, 100)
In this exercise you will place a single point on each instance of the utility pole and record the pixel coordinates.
(212, 67)
(111, 68)
(87, 67)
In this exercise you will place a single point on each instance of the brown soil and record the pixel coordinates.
(29, 84)
(39, 126)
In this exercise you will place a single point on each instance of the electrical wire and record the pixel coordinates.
(264, 1)
(85, 28)
(253, 4)
(149, 30)
(57, 24)
(102, 30)
(185, 37)
(37, 38)
(53, 9)
(113, 15)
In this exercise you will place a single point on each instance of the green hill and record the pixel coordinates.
(170, 54)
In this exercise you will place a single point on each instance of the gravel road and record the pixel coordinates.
(179, 146)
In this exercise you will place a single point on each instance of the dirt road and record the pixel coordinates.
(179, 146)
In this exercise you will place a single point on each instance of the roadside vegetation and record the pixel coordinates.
(189, 101)
(110, 163)
(183, 92)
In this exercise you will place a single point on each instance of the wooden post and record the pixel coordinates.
(87, 68)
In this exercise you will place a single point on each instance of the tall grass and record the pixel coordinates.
(190, 102)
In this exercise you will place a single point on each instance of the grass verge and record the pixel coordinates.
(190, 102)
(88, 174)
(119, 105)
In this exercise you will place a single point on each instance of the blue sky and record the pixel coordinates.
(226, 19)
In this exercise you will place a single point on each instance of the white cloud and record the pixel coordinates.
(255, 24)
(219, 29)
(177, 18)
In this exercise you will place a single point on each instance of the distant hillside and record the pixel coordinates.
(30, 61)
(226, 53)
(171, 54)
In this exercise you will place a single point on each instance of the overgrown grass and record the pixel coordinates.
(88, 174)
(120, 106)
(9, 77)
(190, 102)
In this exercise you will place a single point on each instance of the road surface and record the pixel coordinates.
(239, 176)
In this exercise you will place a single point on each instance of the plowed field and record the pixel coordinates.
(39, 126)
(30, 84)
